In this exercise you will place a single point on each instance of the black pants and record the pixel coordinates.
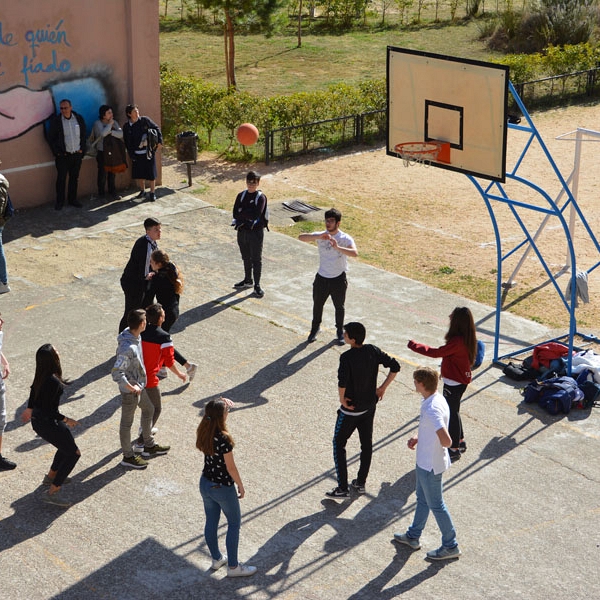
(170, 317)
(453, 395)
(323, 287)
(134, 298)
(59, 435)
(250, 242)
(344, 428)
(67, 165)
(104, 176)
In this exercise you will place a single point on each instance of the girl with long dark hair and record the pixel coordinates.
(217, 486)
(52, 426)
(458, 357)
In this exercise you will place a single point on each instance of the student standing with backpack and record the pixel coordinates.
(458, 357)
(250, 219)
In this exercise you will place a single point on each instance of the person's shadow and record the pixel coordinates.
(32, 516)
(250, 391)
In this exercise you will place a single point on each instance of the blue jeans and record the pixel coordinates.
(219, 498)
(3, 272)
(430, 498)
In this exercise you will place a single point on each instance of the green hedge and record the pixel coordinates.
(555, 60)
(214, 113)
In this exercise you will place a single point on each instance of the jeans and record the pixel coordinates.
(430, 498)
(59, 435)
(250, 242)
(453, 395)
(219, 498)
(344, 428)
(323, 287)
(3, 271)
(129, 404)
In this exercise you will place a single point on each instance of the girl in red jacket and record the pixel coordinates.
(458, 356)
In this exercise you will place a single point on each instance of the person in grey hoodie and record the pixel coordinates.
(128, 371)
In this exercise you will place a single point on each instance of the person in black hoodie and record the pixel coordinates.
(359, 395)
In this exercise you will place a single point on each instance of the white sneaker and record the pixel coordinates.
(162, 374)
(4, 288)
(241, 571)
(191, 371)
(217, 564)
(138, 447)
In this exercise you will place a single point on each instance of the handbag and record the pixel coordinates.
(115, 159)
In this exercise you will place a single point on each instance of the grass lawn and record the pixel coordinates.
(274, 66)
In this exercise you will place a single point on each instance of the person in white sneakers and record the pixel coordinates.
(432, 441)
(217, 487)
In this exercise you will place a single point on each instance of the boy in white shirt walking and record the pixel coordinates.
(431, 442)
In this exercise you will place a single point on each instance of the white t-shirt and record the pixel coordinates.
(332, 263)
(435, 414)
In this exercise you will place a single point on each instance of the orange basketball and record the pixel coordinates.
(247, 134)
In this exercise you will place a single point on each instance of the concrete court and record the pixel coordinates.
(524, 498)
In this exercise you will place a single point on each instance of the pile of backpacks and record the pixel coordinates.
(551, 388)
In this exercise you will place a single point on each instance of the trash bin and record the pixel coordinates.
(186, 144)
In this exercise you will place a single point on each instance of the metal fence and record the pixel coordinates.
(364, 128)
(559, 89)
(370, 127)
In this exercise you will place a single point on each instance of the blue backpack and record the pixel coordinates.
(555, 395)
(480, 355)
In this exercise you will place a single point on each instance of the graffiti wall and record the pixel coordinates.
(89, 52)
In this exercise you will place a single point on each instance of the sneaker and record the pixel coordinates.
(218, 563)
(337, 492)
(245, 283)
(155, 450)
(55, 499)
(151, 197)
(4, 288)
(135, 462)
(312, 336)
(138, 446)
(142, 194)
(360, 489)
(402, 538)
(259, 291)
(462, 447)
(241, 571)
(454, 454)
(162, 373)
(50, 480)
(191, 371)
(153, 431)
(340, 337)
(443, 553)
(5, 464)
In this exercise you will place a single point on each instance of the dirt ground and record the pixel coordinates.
(428, 224)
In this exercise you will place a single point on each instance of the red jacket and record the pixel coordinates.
(455, 358)
(544, 353)
(158, 350)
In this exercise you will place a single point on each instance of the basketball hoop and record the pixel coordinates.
(423, 153)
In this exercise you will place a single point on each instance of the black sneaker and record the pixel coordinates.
(312, 336)
(337, 492)
(245, 283)
(6, 465)
(142, 194)
(454, 455)
(259, 291)
(340, 337)
(360, 489)
(462, 447)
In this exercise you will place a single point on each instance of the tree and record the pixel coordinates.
(235, 13)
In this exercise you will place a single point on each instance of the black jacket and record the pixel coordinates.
(56, 135)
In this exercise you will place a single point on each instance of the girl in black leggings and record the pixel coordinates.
(52, 426)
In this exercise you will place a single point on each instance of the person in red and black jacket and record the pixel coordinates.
(157, 350)
(458, 356)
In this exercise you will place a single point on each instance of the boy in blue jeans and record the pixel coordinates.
(431, 442)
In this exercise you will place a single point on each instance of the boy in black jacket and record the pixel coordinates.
(359, 395)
